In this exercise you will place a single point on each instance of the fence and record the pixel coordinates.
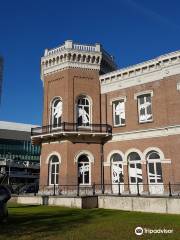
(120, 189)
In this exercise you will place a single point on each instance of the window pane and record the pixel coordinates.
(56, 112)
(132, 165)
(52, 178)
(159, 172)
(145, 110)
(83, 111)
(117, 120)
(121, 177)
(117, 175)
(80, 120)
(158, 168)
(116, 157)
(53, 168)
(80, 173)
(151, 169)
(54, 159)
(149, 111)
(57, 177)
(141, 99)
(138, 165)
(57, 168)
(153, 155)
(86, 177)
(148, 98)
(133, 156)
(119, 112)
(139, 179)
(83, 158)
(133, 179)
(122, 121)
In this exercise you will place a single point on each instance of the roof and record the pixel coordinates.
(15, 131)
(16, 126)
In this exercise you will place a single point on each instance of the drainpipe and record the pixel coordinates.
(102, 165)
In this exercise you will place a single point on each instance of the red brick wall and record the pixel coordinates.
(165, 105)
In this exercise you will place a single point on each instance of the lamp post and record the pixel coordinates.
(9, 167)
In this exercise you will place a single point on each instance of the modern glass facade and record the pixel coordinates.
(19, 159)
(18, 150)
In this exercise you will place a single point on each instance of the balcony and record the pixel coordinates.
(69, 130)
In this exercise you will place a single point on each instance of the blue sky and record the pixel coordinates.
(131, 30)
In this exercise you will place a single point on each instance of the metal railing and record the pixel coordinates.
(72, 127)
(120, 189)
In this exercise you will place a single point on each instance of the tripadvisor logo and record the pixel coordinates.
(139, 231)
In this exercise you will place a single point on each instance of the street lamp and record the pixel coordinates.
(9, 167)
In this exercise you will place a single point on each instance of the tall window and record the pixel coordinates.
(117, 168)
(83, 111)
(145, 108)
(83, 170)
(119, 112)
(54, 170)
(56, 112)
(135, 170)
(154, 167)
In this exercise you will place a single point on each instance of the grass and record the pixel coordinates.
(58, 223)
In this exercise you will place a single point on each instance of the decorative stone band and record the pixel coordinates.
(167, 161)
(153, 70)
(66, 65)
(71, 55)
(147, 133)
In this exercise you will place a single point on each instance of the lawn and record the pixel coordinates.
(51, 223)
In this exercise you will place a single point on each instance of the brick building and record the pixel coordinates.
(102, 125)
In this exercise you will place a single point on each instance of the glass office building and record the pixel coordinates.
(19, 159)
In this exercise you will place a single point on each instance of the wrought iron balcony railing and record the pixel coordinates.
(66, 127)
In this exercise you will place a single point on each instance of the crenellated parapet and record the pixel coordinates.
(72, 55)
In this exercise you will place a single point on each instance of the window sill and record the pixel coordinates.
(85, 185)
(117, 126)
(150, 121)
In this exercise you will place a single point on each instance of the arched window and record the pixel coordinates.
(154, 167)
(135, 170)
(116, 168)
(54, 170)
(56, 113)
(83, 111)
(83, 170)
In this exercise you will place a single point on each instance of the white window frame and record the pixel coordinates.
(135, 162)
(137, 97)
(55, 170)
(52, 113)
(90, 111)
(116, 163)
(122, 99)
(89, 162)
(154, 161)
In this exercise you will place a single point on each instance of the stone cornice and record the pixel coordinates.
(146, 133)
(149, 71)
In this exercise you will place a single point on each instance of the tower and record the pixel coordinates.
(72, 135)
